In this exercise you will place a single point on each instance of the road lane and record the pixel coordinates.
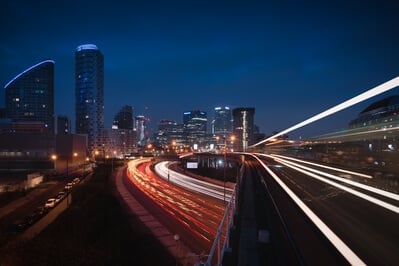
(368, 229)
(200, 214)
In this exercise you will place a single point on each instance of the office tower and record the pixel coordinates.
(30, 96)
(222, 124)
(123, 139)
(195, 123)
(243, 127)
(124, 118)
(63, 125)
(89, 94)
(140, 128)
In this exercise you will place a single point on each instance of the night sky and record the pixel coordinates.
(289, 60)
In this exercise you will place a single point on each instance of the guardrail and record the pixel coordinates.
(226, 223)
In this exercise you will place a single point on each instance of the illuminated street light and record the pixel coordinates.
(75, 154)
(112, 162)
(232, 138)
(54, 158)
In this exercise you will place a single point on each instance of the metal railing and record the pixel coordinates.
(226, 223)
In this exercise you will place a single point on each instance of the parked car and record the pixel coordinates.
(68, 186)
(50, 203)
(61, 195)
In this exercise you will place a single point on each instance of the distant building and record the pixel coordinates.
(122, 139)
(30, 95)
(63, 125)
(243, 127)
(170, 134)
(124, 118)
(377, 114)
(195, 126)
(26, 150)
(165, 128)
(222, 123)
(89, 94)
(141, 127)
(71, 149)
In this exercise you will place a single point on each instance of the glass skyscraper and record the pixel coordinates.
(195, 124)
(124, 118)
(222, 123)
(89, 94)
(30, 95)
(243, 124)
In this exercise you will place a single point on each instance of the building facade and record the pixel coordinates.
(30, 96)
(124, 118)
(89, 94)
(195, 127)
(63, 125)
(222, 123)
(243, 127)
(123, 138)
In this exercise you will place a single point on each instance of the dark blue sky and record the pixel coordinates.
(289, 60)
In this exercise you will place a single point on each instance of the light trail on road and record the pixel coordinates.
(311, 172)
(193, 184)
(201, 214)
(340, 245)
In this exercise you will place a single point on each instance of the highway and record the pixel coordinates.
(210, 189)
(198, 213)
(356, 221)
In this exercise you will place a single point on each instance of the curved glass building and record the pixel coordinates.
(89, 94)
(378, 114)
(30, 95)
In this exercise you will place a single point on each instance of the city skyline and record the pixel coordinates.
(288, 61)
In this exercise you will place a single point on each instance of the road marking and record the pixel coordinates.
(348, 254)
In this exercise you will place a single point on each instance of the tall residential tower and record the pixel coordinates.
(89, 94)
(30, 96)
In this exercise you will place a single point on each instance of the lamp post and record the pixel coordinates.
(85, 164)
(54, 158)
(232, 138)
(75, 154)
(112, 162)
(224, 170)
(176, 237)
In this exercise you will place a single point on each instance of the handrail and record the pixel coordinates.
(216, 243)
(228, 221)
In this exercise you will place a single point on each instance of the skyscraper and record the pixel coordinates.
(243, 127)
(63, 125)
(222, 124)
(195, 123)
(124, 118)
(89, 94)
(30, 95)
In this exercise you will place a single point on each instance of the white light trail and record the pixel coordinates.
(357, 99)
(193, 184)
(310, 172)
(320, 165)
(348, 254)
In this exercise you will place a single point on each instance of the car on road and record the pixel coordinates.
(50, 203)
(61, 195)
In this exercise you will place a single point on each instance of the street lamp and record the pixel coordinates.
(85, 164)
(176, 237)
(54, 158)
(232, 138)
(224, 170)
(75, 154)
(112, 162)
